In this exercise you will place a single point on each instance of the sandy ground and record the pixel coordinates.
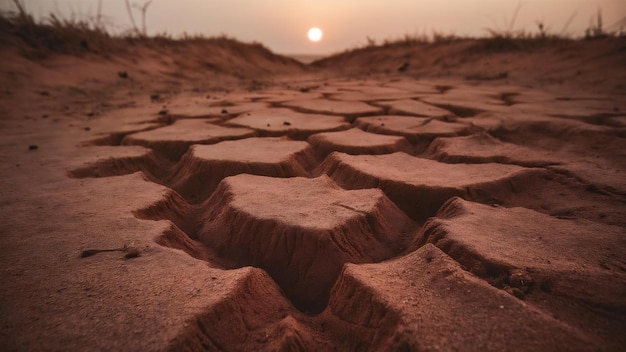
(379, 200)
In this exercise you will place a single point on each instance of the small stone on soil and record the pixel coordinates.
(131, 252)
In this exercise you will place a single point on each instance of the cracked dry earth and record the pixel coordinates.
(351, 215)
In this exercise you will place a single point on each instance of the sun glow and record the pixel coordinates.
(315, 34)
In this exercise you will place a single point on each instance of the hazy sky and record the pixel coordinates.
(282, 25)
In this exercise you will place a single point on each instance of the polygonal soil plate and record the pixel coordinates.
(355, 141)
(280, 121)
(172, 141)
(301, 231)
(415, 129)
(334, 107)
(204, 166)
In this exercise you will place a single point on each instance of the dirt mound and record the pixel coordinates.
(595, 64)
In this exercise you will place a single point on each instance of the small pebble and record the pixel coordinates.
(131, 252)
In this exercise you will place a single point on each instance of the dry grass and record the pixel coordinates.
(508, 38)
(55, 35)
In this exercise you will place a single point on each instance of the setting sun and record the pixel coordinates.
(315, 34)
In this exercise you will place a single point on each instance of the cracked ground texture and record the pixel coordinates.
(315, 213)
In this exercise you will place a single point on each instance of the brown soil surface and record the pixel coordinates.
(224, 198)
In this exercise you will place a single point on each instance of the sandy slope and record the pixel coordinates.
(344, 207)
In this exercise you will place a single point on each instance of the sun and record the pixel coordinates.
(315, 34)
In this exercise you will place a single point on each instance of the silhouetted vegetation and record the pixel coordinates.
(509, 38)
(77, 36)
